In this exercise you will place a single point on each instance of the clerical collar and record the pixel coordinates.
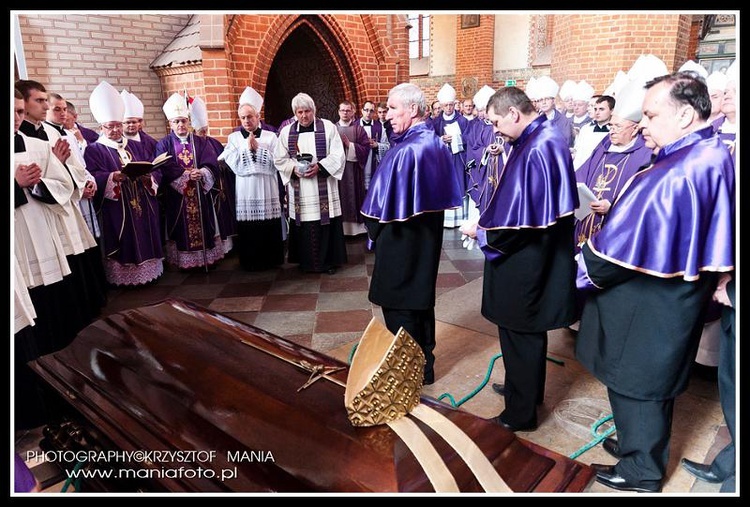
(446, 117)
(366, 122)
(183, 140)
(579, 119)
(245, 133)
(309, 128)
(341, 122)
(118, 145)
(622, 148)
(134, 137)
(56, 126)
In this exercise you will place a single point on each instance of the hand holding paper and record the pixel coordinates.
(585, 197)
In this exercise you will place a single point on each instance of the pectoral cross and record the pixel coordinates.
(603, 180)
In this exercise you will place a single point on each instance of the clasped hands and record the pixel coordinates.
(28, 175)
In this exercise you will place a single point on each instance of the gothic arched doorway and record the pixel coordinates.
(303, 64)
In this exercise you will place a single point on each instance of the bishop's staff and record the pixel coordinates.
(198, 190)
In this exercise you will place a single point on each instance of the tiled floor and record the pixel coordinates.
(329, 312)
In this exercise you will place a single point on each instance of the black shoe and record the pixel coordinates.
(429, 378)
(331, 271)
(500, 389)
(610, 445)
(701, 471)
(605, 474)
(507, 426)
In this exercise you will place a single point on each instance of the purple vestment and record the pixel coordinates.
(415, 176)
(537, 185)
(682, 210)
(459, 159)
(130, 217)
(352, 183)
(189, 211)
(223, 194)
(605, 172)
(483, 168)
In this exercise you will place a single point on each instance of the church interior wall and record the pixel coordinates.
(71, 53)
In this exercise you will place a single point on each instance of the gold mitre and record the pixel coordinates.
(385, 377)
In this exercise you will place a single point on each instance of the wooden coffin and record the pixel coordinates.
(173, 376)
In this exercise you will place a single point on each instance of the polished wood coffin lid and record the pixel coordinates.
(176, 376)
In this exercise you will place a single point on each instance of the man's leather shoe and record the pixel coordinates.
(701, 471)
(610, 445)
(605, 474)
(507, 426)
(500, 389)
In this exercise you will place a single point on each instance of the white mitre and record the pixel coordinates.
(482, 97)
(106, 103)
(133, 105)
(252, 98)
(176, 107)
(446, 94)
(198, 114)
(691, 66)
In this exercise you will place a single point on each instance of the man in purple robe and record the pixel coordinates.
(352, 184)
(133, 124)
(131, 235)
(413, 186)
(651, 271)
(191, 173)
(484, 159)
(526, 235)
(546, 89)
(223, 191)
(613, 161)
(451, 127)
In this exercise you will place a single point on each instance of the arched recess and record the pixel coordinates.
(313, 56)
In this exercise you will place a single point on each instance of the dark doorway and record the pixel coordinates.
(302, 65)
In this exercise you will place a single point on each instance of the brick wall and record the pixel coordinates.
(595, 47)
(70, 54)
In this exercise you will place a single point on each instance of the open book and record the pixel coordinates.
(138, 168)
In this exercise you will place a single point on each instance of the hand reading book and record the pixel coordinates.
(135, 169)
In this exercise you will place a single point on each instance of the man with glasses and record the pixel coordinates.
(378, 139)
(192, 238)
(133, 123)
(131, 239)
(613, 161)
(358, 150)
(546, 88)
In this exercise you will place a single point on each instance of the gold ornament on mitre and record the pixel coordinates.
(385, 377)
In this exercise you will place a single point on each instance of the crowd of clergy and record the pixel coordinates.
(108, 206)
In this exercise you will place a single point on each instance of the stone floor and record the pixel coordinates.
(329, 312)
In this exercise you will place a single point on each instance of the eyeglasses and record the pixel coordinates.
(177, 121)
(613, 127)
(115, 126)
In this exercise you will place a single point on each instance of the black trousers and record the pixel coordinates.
(524, 357)
(643, 431)
(420, 324)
